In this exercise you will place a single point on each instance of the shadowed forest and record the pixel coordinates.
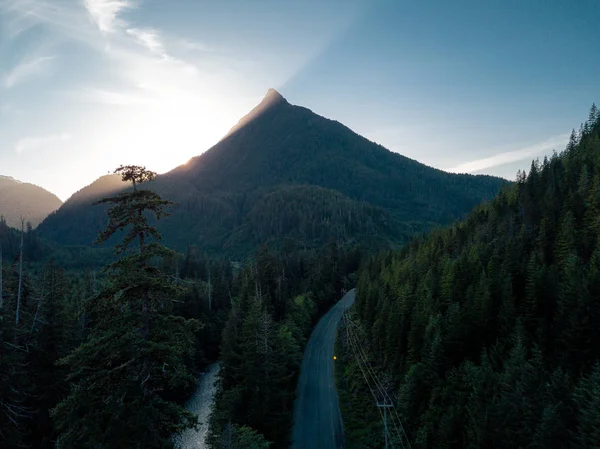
(487, 332)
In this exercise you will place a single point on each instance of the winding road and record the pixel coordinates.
(317, 417)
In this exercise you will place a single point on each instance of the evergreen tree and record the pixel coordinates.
(133, 359)
(495, 320)
(587, 398)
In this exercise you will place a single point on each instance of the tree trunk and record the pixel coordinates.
(20, 274)
(209, 290)
(142, 243)
(1, 285)
(37, 310)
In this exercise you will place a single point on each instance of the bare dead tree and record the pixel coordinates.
(264, 331)
(1, 285)
(36, 317)
(230, 298)
(254, 269)
(20, 274)
(280, 280)
(209, 289)
(228, 432)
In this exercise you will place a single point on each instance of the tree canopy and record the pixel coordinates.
(489, 330)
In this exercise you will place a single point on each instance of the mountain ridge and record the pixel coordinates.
(104, 185)
(277, 146)
(23, 199)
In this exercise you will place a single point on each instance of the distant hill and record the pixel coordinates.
(21, 199)
(286, 173)
(105, 185)
(78, 216)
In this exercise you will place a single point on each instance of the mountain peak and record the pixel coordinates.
(273, 98)
(9, 178)
(22, 199)
(286, 172)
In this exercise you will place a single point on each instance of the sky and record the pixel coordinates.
(465, 86)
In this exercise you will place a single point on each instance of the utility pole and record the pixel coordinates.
(385, 407)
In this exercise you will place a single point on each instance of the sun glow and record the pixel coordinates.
(134, 92)
(169, 134)
(165, 130)
(170, 112)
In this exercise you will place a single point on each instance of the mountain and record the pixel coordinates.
(105, 185)
(21, 199)
(284, 172)
(78, 216)
(489, 330)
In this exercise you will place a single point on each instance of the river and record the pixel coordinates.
(200, 403)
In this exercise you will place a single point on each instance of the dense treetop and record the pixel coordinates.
(488, 332)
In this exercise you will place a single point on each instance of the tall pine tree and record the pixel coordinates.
(122, 377)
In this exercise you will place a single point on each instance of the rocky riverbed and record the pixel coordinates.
(200, 404)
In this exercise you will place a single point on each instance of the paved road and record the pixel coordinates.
(317, 418)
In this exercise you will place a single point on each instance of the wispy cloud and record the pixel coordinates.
(69, 18)
(190, 45)
(26, 68)
(531, 151)
(149, 38)
(154, 92)
(114, 98)
(105, 13)
(40, 142)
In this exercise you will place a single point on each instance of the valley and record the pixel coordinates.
(299, 224)
(263, 329)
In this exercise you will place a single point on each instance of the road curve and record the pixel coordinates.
(317, 417)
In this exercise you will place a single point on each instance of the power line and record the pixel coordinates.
(380, 386)
(362, 370)
(361, 357)
(356, 350)
(384, 394)
(396, 421)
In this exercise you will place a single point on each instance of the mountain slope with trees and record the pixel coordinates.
(21, 199)
(487, 333)
(99, 359)
(255, 185)
(94, 358)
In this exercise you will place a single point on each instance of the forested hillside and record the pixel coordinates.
(280, 298)
(285, 172)
(23, 200)
(95, 358)
(487, 333)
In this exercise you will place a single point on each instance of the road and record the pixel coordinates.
(317, 417)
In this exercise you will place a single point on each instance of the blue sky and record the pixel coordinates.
(468, 86)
